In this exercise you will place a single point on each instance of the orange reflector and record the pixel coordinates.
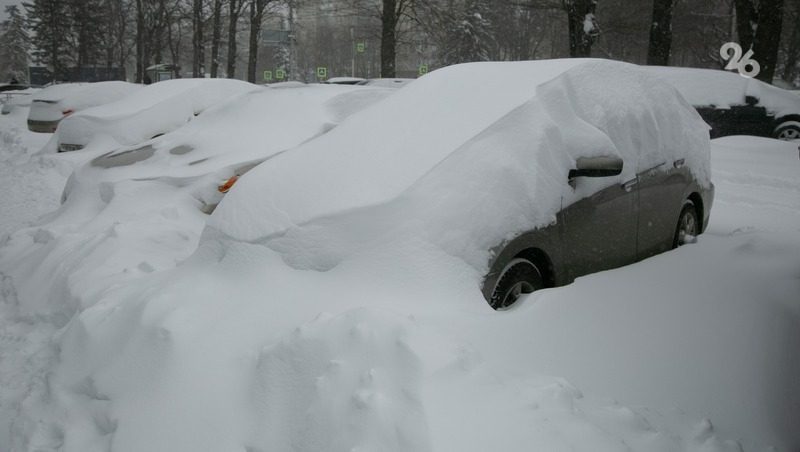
(228, 184)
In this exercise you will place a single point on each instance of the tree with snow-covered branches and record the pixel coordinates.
(14, 46)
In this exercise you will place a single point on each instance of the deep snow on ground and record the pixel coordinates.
(30, 186)
(393, 348)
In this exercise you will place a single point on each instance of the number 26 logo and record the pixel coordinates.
(733, 52)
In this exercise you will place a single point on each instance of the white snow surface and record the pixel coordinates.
(119, 330)
(466, 156)
(709, 87)
(155, 109)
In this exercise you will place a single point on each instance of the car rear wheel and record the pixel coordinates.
(688, 225)
(789, 130)
(519, 277)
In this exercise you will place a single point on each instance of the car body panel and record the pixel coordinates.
(616, 226)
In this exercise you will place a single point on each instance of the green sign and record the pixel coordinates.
(267, 76)
(280, 74)
(361, 47)
(423, 69)
(322, 72)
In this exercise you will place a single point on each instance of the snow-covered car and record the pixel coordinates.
(736, 105)
(386, 82)
(12, 99)
(345, 80)
(534, 173)
(56, 102)
(154, 110)
(227, 140)
(12, 87)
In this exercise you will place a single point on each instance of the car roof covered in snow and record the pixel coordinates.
(84, 95)
(468, 127)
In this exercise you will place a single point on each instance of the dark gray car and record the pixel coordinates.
(654, 212)
(531, 174)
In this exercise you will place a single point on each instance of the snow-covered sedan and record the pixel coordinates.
(56, 102)
(736, 105)
(154, 110)
(531, 173)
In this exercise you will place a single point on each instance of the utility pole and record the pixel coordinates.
(353, 53)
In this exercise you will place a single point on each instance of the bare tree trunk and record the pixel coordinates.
(746, 20)
(793, 49)
(197, 26)
(216, 38)
(583, 29)
(139, 41)
(660, 47)
(768, 38)
(759, 27)
(256, 18)
(234, 11)
(388, 38)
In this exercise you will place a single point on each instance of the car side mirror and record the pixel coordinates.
(604, 166)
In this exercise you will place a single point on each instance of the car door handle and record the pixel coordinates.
(628, 186)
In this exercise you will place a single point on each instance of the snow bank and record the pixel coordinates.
(153, 110)
(466, 156)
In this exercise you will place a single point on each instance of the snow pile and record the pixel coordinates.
(466, 157)
(722, 89)
(151, 111)
(30, 185)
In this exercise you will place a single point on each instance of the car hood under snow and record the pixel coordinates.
(465, 157)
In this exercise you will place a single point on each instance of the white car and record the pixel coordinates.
(152, 111)
(56, 102)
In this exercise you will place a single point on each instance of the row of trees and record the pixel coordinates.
(218, 37)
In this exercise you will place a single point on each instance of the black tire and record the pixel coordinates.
(789, 130)
(688, 225)
(520, 276)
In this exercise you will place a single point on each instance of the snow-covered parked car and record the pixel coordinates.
(154, 110)
(56, 102)
(533, 173)
(386, 82)
(11, 99)
(736, 105)
(228, 140)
